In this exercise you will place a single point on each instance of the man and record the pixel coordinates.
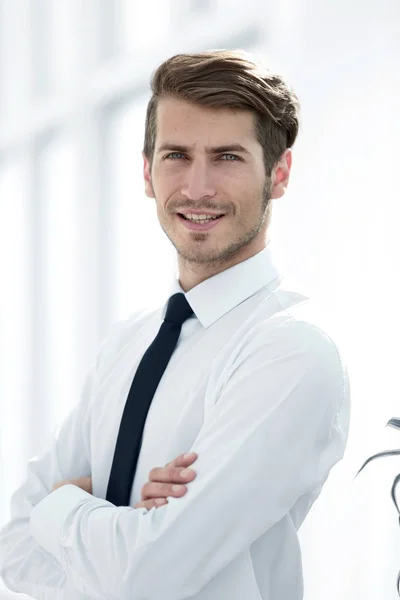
(246, 379)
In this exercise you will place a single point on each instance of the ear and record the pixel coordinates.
(148, 187)
(281, 174)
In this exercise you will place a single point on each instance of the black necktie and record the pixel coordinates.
(144, 385)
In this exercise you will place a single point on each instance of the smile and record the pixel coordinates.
(199, 226)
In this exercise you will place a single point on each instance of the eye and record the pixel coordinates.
(173, 155)
(231, 156)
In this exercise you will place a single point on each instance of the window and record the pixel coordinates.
(15, 322)
(60, 266)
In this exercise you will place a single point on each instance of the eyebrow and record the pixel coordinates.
(209, 150)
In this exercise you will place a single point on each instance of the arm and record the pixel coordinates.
(24, 566)
(276, 425)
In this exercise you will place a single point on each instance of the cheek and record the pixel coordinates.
(166, 183)
(244, 189)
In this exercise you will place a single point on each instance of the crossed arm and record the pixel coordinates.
(282, 440)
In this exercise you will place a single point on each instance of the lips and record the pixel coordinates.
(198, 226)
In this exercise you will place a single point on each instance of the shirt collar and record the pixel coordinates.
(228, 288)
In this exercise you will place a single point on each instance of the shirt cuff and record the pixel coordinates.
(49, 516)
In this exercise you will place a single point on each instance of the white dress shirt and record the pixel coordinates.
(258, 389)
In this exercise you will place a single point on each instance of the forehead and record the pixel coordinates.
(179, 118)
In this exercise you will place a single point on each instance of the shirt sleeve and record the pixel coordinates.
(274, 433)
(25, 566)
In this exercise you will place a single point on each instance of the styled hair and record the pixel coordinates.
(228, 79)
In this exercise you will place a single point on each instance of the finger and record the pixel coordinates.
(153, 489)
(172, 471)
(183, 460)
(172, 474)
(149, 504)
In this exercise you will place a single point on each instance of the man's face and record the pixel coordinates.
(198, 165)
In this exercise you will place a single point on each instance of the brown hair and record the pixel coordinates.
(228, 79)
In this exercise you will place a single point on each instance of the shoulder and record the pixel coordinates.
(297, 325)
(295, 334)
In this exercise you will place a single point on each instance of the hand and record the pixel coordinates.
(156, 491)
(85, 483)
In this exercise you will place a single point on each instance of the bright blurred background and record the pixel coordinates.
(81, 247)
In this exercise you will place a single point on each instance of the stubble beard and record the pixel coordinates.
(196, 256)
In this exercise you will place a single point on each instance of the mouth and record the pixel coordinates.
(198, 226)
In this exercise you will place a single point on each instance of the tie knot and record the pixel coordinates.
(178, 309)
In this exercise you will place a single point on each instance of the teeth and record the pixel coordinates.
(200, 217)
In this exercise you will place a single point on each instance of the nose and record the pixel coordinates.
(198, 181)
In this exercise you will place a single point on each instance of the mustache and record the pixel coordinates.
(203, 206)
